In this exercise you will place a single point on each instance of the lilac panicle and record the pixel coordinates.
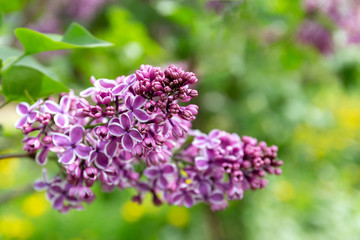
(135, 132)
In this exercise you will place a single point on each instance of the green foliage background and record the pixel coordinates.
(255, 79)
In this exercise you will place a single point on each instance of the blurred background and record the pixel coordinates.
(287, 72)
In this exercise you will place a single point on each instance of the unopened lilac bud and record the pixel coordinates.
(182, 96)
(187, 115)
(227, 167)
(95, 111)
(26, 128)
(148, 142)
(143, 128)
(193, 93)
(32, 144)
(193, 108)
(159, 140)
(238, 176)
(174, 108)
(156, 86)
(90, 175)
(47, 140)
(246, 164)
(110, 111)
(167, 89)
(102, 132)
(278, 171)
(104, 97)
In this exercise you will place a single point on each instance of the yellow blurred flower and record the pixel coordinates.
(35, 205)
(284, 191)
(178, 216)
(12, 227)
(7, 170)
(132, 211)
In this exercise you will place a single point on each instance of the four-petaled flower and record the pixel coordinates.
(28, 112)
(60, 110)
(134, 104)
(72, 145)
(124, 127)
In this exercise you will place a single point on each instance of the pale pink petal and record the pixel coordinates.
(61, 120)
(61, 140)
(22, 108)
(82, 151)
(76, 134)
(68, 156)
(116, 129)
(87, 92)
(51, 107)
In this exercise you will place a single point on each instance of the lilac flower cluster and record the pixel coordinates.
(345, 14)
(135, 133)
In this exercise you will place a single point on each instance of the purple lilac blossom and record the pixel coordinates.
(344, 14)
(132, 132)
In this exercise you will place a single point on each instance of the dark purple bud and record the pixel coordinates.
(174, 108)
(246, 164)
(167, 89)
(187, 115)
(110, 111)
(193, 93)
(47, 140)
(143, 128)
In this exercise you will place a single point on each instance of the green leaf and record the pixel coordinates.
(75, 36)
(23, 83)
(8, 55)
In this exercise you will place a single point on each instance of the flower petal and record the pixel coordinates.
(61, 120)
(127, 142)
(189, 202)
(168, 169)
(151, 172)
(40, 185)
(32, 117)
(125, 121)
(141, 115)
(51, 107)
(22, 108)
(201, 163)
(102, 161)
(21, 122)
(216, 198)
(111, 148)
(82, 151)
(107, 83)
(41, 156)
(87, 92)
(61, 140)
(139, 101)
(76, 134)
(118, 89)
(116, 130)
(135, 135)
(68, 157)
(58, 202)
(129, 102)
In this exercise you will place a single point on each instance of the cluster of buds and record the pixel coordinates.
(134, 134)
